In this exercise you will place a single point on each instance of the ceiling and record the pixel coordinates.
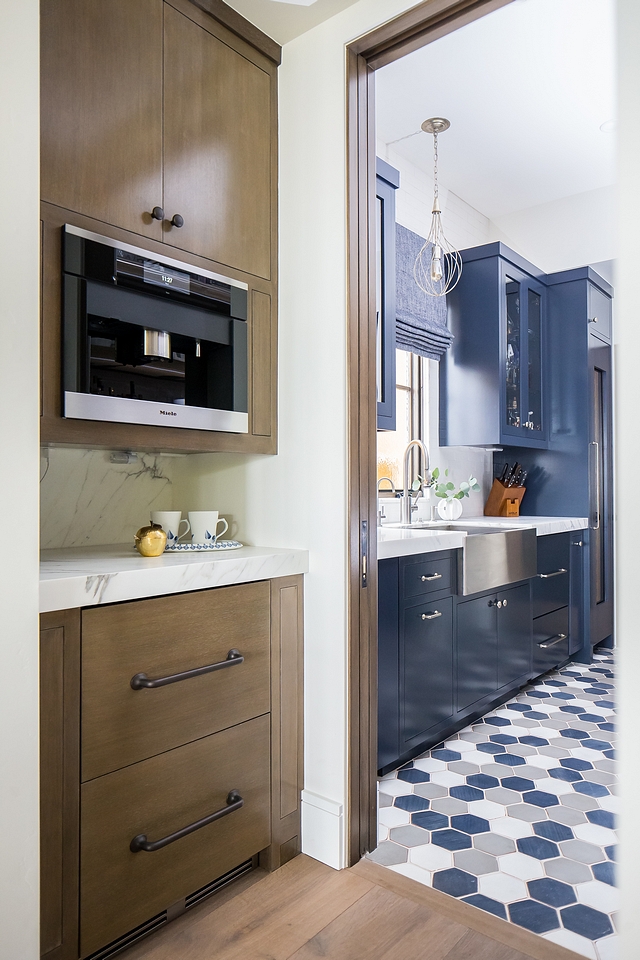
(526, 89)
(284, 20)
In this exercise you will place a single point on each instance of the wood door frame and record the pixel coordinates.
(424, 23)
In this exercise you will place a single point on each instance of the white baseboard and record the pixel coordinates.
(323, 829)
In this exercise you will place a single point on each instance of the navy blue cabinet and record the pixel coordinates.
(387, 182)
(493, 378)
(493, 643)
(574, 476)
(426, 669)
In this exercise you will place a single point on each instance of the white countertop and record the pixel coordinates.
(395, 542)
(87, 576)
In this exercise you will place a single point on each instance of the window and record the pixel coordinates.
(410, 418)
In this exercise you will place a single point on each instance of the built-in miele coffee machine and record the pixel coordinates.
(151, 340)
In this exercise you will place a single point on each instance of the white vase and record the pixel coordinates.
(449, 509)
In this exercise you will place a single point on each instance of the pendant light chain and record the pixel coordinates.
(438, 266)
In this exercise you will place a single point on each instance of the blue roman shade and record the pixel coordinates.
(421, 320)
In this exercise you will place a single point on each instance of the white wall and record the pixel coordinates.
(627, 357)
(19, 321)
(565, 233)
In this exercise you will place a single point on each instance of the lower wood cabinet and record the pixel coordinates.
(227, 743)
(121, 888)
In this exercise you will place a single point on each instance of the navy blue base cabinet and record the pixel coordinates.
(445, 659)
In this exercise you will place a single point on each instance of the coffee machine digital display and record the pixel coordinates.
(151, 340)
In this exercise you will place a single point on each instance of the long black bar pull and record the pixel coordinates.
(142, 682)
(234, 802)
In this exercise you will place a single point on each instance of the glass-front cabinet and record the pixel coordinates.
(494, 377)
(523, 413)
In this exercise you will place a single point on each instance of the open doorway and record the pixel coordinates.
(563, 226)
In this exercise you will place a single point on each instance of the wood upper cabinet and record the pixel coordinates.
(148, 104)
(101, 109)
(217, 149)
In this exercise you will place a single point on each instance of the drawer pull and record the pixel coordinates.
(434, 576)
(142, 681)
(556, 573)
(551, 642)
(234, 802)
(431, 616)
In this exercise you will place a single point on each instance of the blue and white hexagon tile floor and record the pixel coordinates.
(515, 814)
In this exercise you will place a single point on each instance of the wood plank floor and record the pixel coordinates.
(306, 910)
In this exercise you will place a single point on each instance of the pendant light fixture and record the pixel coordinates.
(438, 266)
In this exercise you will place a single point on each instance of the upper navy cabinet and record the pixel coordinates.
(493, 378)
(387, 182)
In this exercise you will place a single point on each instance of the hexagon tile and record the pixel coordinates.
(516, 813)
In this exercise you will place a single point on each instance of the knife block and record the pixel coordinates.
(504, 501)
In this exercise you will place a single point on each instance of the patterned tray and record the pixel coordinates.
(204, 547)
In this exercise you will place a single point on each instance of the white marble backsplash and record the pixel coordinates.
(86, 500)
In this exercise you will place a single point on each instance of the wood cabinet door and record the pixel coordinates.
(59, 774)
(477, 650)
(168, 637)
(120, 888)
(217, 146)
(101, 109)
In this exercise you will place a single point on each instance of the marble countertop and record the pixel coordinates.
(396, 542)
(87, 576)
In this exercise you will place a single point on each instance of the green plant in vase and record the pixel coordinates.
(450, 506)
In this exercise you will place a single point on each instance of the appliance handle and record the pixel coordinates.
(234, 802)
(556, 573)
(594, 449)
(141, 681)
(551, 642)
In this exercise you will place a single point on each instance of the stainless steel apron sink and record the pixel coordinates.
(490, 557)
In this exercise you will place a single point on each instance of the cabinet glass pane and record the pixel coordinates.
(534, 325)
(512, 384)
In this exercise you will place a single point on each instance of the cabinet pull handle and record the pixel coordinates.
(177, 220)
(431, 616)
(157, 213)
(551, 642)
(234, 802)
(556, 573)
(434, 576)
(142, 681)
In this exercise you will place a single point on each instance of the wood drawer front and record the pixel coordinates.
(547, 630)
(162, 637)
(120, 889)
(426, 575)
(550, 588)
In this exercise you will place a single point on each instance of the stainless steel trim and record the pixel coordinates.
(91, 406)
(434, 576)
(594, 452)
(431, 616)
(491, 560)
(556, 573)
(551, 642)
(160, 257)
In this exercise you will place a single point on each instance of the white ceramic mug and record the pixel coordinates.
(170, 521)
(204, 526)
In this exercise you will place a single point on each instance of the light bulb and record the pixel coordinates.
(436, 263)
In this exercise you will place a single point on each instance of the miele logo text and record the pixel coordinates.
(168, 413)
